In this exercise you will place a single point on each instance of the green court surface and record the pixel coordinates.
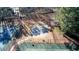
(41, 47)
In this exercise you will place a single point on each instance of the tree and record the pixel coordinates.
(6, 12)
(28, 10)
(68, 18)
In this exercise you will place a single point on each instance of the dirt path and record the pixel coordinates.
(59, 38)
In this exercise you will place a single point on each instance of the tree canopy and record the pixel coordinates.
(68, 18)
(28, 10)
(6, 12)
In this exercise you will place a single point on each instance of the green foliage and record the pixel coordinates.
(68, 18)
(6, 12)
(28, 10)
